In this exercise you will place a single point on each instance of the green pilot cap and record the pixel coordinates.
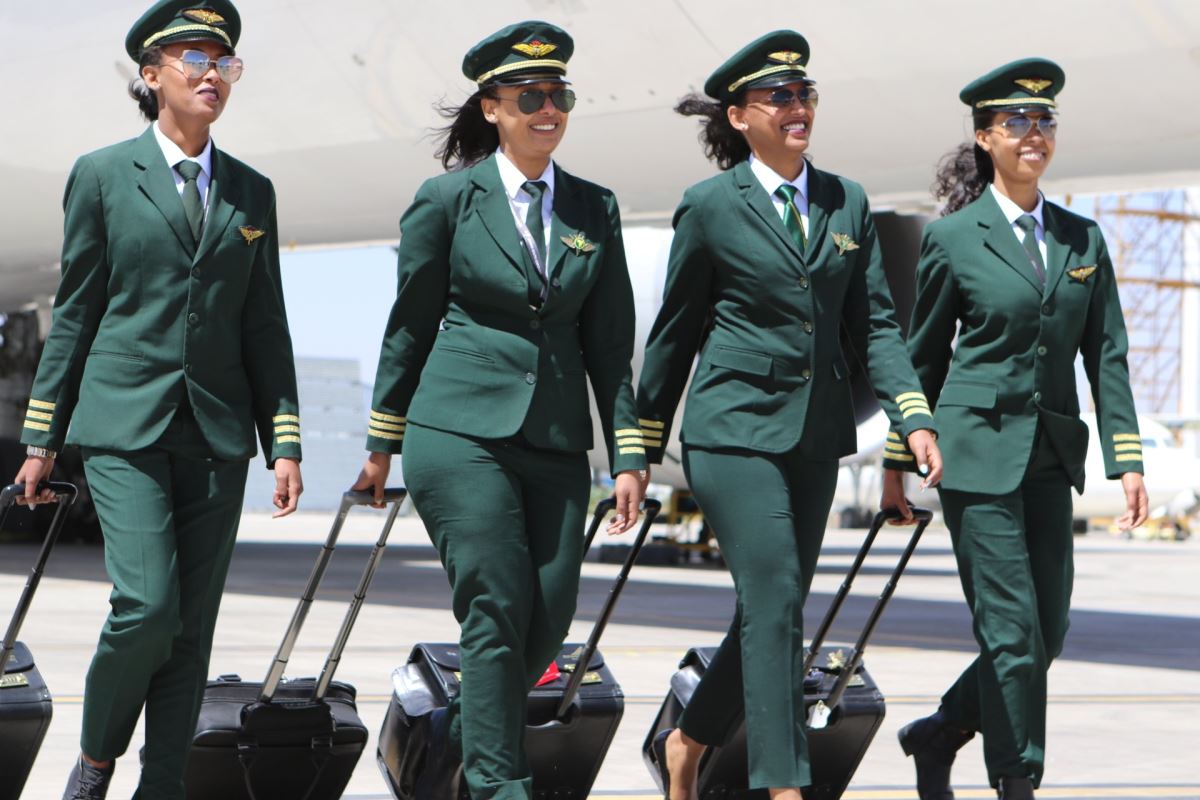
(1025, 84)
(522, 53)
(778, 58)
(170, 21)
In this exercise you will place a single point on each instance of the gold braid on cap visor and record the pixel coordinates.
(187, 29)
(762, 73)
(539, 63)
(1018, 101)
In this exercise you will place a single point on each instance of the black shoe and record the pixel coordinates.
(658, 750)
(1015, 789)
(441, 776)
(87, 782)
(933, 743)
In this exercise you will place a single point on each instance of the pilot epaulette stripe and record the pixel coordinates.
(386, 426)
(649, 423)
(39, 415)
(1128, 446)
(1126, 437)
(399, 437)
(37, 426)
(900, 398)
(379, 415)
(287, 439)
(42, 404)
(1129, 457)
(285, 418)
(897, 457)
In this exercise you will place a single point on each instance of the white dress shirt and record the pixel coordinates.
(1012, 212)
(771, 181)
(519, 200)
(174, 155)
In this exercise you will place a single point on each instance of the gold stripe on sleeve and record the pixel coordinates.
(379, 415)
(387, 426)
(900, 398)
(649, 423)
(37, 426)
(627, 450)
(287, 439)
(1129, 457)
(39, 415)
(897, 457)
(1130, 446)
(397, 437)
(287, 429)
(1126, 437)
(922, 410)
(42, 404)
(278, 418)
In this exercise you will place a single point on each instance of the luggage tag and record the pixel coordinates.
(551, 674)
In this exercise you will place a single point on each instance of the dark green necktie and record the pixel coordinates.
(193, 207)
(537, 232)
(1029, 241)
(791, 215)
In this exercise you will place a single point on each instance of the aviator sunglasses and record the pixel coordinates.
(195, 64)
(1018, 127)
(783, 98)
(531, 101)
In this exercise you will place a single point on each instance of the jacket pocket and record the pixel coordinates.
(136, 357)
(463, 353)
(746, 361)
(971, 395)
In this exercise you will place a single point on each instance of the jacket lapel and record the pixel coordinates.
(1000, 239)
(819, 205)
(760, 202)
(496, 213)
(1061, 242)
(567, 218)
(222, 202)
(158, 184)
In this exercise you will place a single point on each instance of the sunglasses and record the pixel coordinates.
(531, 101)
(783, 98)
(195, 64)
(1018, 127)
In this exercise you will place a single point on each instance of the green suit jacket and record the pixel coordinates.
(144, 318)
(465, 352)
(767, 320)
(1013, 366)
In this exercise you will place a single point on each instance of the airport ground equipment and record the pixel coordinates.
(843, 705)
(25, 702)
(572, 718)
(288, 739)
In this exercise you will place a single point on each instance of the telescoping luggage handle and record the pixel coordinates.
(65, 495)
(394, 497)
(650, 509)
(818, 716)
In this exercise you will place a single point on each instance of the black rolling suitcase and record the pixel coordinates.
(25, 703)
(287, 739)
(844, 705)
(571, 719)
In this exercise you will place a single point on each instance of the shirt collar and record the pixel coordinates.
(174, 155)
(513, 179)
(1012, 212)
(771, 180)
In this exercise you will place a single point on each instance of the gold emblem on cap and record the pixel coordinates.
(1035, 85)
(250, 233)
(785, 56)
(204, 15)
(1081, 274)
(535, 49)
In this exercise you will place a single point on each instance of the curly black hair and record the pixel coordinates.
(965, 172)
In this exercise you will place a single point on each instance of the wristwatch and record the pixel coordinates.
(40, 452)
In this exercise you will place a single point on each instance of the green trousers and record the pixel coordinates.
(170, 516)
(507, 520)
(768, 513)
(1015, 561)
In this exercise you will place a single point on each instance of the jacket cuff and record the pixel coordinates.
(1124, 455)
(654, 434)
(42, 427)
(385, 432)
(896, 454)
(915, 413)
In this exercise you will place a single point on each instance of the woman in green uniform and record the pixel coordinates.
(513, 292)
(1025, 286)
(169, 346)
(771, 261)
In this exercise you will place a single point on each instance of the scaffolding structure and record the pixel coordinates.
(1154, 241)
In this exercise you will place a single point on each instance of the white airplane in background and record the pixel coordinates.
(338, 115)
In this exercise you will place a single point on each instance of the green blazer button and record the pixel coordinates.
(808, 327)
(530, 378)
(1041, 351)
(1037, 397)
(193, 318)
(533, 323)
(804, 283)
(1046, 309)
(195, 272)
(806, 373)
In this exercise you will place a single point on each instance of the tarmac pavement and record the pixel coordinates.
(1125, 696)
